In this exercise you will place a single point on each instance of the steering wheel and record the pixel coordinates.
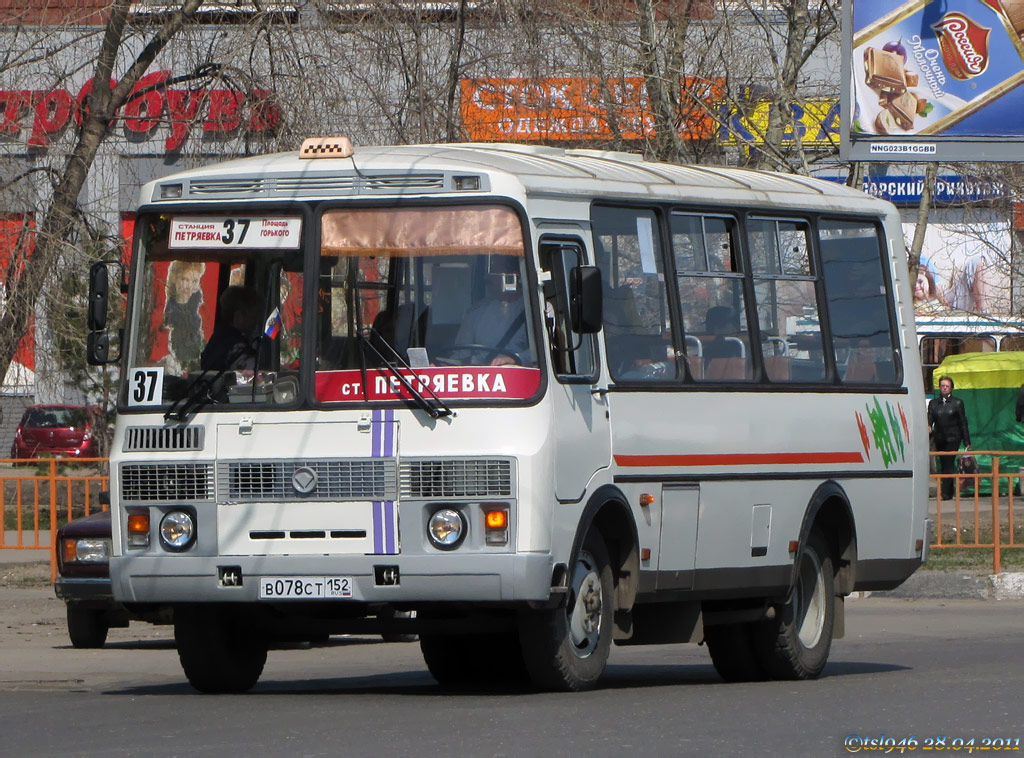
(447, 357)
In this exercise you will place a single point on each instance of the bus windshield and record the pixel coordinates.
(435, 292)
(432, 294)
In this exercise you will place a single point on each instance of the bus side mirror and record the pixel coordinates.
(586, 299)
(97, 349)
(99, 293)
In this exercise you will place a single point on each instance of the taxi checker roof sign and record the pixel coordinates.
(237, 232)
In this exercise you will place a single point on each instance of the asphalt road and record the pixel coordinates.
(920, 668)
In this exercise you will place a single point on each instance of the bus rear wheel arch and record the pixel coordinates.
(794, 638)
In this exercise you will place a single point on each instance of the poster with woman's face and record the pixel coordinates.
(963, 267)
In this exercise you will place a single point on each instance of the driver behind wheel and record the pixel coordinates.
(497, 322)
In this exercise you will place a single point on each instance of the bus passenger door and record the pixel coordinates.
(581, 430)
(677, 548)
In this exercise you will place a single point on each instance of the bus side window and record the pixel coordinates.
(710, 286)
(858, 303)
(637, 326)
(787, 300)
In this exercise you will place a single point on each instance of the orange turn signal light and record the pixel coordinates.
(496, 519)
(69, 550)
(794, 545)
(646, 499)
(138, 523)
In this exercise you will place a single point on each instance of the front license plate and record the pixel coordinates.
(304, 587)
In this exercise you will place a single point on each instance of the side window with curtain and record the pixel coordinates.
(572, 355)
(637, 325)
(858, 303)
(713, 307)
(787, 302)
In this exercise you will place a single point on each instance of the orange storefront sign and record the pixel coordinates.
(570, 108)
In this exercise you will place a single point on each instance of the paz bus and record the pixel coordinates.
(523, 402)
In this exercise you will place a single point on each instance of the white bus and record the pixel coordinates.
(523, 402)
(958, 332)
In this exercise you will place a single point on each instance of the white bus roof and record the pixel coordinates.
(962, 321)
(424, 170)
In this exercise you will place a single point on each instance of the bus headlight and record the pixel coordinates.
(177, 530)
(446, 528)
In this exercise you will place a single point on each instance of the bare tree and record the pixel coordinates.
(29, 272)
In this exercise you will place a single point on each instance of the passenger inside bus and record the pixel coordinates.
(721, 341)
(238, 323)
(493, 331)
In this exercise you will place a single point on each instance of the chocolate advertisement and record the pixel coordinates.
(938, 67)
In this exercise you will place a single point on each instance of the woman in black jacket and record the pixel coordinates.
(947, 423)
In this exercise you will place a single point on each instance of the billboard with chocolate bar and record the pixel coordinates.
(933, 80)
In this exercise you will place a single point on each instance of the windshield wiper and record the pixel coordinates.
(435, 409)
(198, 394)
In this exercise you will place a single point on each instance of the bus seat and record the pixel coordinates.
(401, 328)
(696, 366)
(726, 369)
(738, 346)
(694, 345)
(860, 367)
(779, 368)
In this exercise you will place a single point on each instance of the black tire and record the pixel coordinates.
(87, 627)
(390, 613)
(795, 644)
(217, 653)
(475, 661)
(566, 649)
(732, 652)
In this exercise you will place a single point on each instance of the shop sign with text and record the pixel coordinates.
(578, 108)
(45, 114)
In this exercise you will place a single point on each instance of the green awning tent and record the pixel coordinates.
(988, 384)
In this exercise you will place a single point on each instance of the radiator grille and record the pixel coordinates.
(470, 477)
(166, 482)
(149, 438)
(335, 480)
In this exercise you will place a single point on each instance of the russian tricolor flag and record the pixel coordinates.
(273, 326)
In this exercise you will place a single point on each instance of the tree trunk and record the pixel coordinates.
(59, 221)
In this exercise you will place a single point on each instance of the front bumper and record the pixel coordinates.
(520, 577)
(92, 590)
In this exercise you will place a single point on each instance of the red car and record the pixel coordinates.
(55, 430)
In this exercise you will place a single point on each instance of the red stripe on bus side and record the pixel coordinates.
(738, 459)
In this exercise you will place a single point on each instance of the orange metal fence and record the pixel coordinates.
(38, 496)
(972, 520)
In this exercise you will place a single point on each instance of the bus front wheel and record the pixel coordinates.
(217, 652)
(795, 643)
(566, 649)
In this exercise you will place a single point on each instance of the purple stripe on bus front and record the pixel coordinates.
(375, 430)
(389, 433)
(389, 529)
(378, 528)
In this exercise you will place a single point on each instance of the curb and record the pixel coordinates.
(956, 584)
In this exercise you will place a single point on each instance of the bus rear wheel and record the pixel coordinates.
(217, 652)
(566, 649)
(732, 652)
(796, 643)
